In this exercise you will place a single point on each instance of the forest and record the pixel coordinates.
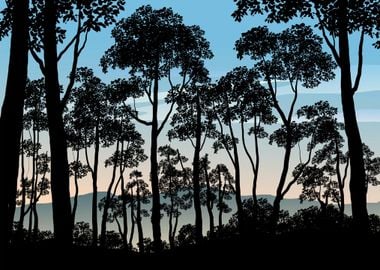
(54, 136)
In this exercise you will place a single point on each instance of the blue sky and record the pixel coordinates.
(214, 17)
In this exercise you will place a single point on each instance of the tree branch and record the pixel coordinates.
(38, 60)
(360, 63)
(329, 43)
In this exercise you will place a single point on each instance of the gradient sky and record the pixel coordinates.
(222, 31)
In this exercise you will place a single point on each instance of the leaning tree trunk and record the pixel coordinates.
(59, 163)
(357, 182)
(11, 116)
(196, 171)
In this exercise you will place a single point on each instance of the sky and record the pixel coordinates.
(214, 17)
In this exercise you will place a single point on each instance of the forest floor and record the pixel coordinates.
(315, 251)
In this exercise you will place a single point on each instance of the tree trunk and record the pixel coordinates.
(196, 171)
(23, 193)
(156, 213)
(281, 184)
(209, 203)
(220, 199)
(75, 203)
(11, 116)
(357, 175)
(237, 181)
(340, 182)
(138, 221)
(95, 189)
(107, 201)
(59, 163)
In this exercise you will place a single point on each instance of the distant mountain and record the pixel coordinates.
(84, 212)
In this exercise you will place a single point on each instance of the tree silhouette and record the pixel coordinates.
(142, 195)
(330, 158)
(14, 19)
(208, 192)
(174, 185)
(35, 122)
(224, 182)
(90, 113)
(153, 43)
(295, 55)
(45, 33)
(337, 19)
(119, 129)
(192, 122)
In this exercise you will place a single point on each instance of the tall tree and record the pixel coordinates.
(44, 35)
(337, 20)
(294, 55)
(192, 122)
(174, 186)
(12, 109)
(153, 43)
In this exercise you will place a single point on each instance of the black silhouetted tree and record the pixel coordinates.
(151, 44)
(208, 192)
(35, 122)
(372, 166)
(120, 130)
(192, 122)
(224, 181)
(14, 18)
(46, 32)
(90, 114)
(337, 20)
(141, 195)
(175, 187)
(294, 55)
(321, 125)
(335, 163)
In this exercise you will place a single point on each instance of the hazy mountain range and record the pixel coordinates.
(84, 213)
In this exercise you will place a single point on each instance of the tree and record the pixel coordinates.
(224, 183)
(337, 20)
(192, 122)
(35, 122)
(141, 197)
(15, 18)
(153, 43)
(45, 33)
(174, 186)
(294, 55)
(120, 130)
(90, 114)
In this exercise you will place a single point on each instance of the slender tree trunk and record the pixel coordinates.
(75, 202)
(59, 162)
(340, 181)
(156, 213)
(281, 184)
(124, 199)
(196, 171)
(220, 199)
(237, 181)
(357, 175)
(209, 203)
(23, 192)
(138, 221)
(171, 239)
(11, 116)
(133, 222)
(95, 189)
(107, 201)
